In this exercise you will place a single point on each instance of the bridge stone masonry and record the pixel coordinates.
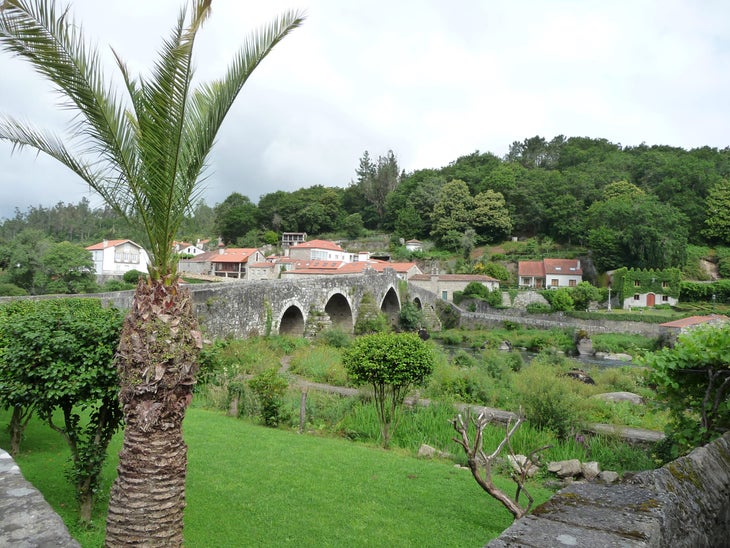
(293, 307)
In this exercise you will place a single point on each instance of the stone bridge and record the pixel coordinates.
(288, 307)
(294, 307)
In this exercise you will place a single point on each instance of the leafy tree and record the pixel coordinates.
(411, 317)
(143, 151)
(353, 226)
(562, 301)
(453, 212)
(234, 217)
(58, 356)
(583, 293)
(694, 379)
(491, 216)
(391, 363)
(636, 231)
(22, 260)
(717, 223)
(67, 268)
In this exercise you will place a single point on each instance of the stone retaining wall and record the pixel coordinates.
(683, 504)
(26, 519)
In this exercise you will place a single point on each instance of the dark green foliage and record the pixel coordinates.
(627, 281)
(694, 291)
(561, 301)
(447, 314)
(57, 356)
(335, 338)
(270, 387)
(391, 363)
(369, 318)
(583, 293)
(132, 276)
(11, 290)
(411, 317)
(547, 399)
(693, 378)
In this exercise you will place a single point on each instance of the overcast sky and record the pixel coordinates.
(429, 79)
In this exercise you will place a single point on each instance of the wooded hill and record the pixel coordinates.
(634, 206)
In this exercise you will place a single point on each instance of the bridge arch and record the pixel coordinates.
(339, 310)
(292, 321)
(418, 303)
(390, 306)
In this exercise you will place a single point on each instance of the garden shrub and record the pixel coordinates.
(132, 276)
(336, 338)
(539, 308)
(270, 387)
(547, 399)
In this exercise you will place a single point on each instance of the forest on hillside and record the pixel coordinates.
(635, 206)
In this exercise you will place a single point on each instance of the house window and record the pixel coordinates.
(665, 298)
(525, 281)
(445, 295)
(636, 297)
(637, 283)
(571, 283)
(665, 284)
(554, 282)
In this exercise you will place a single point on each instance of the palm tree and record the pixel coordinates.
(143, 150)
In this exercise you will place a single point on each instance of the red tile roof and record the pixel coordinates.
(233, 255)
(318, 244)
(562, 266)
(534, 269)
(455, 278)
(695, 320)
(108, 243)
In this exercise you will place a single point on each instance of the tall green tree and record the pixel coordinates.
(142, 148)
(452, 213)
(67, 268)
(234, 217)
(491, 216)
(717, 223)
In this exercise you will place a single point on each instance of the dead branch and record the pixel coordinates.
(480, 463)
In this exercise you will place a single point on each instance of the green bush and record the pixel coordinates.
(270, 388)
(539, 308)
(562, 301)
(11, 290)
(335, 338)
(547, 399)
(132, 276)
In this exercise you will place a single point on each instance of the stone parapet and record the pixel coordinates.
(686, 503)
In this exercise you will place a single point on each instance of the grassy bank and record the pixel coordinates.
(253, 486)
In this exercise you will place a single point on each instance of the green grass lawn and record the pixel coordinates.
(253, 486)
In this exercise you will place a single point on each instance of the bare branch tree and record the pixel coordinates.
(480, 463)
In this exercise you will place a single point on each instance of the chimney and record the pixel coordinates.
(104, 244)
(221, 249)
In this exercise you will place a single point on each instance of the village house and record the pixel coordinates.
(549, 273)
(319, 250)
(185, 248)
(673, 329)
(414, 245)
(230, 262)
(445, 285)
(115, 257)
(289, 239)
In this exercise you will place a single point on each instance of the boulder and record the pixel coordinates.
(590, 470)
(505, 346)
(617, 357)
(621, 396)
(585, 347)
(520, 462)
(428, 452)
(565, 468)
(608, 476)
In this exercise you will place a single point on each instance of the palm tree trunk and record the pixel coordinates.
(157, 362)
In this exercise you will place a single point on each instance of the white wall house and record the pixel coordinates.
(320, 250)
(549, 273)
(115, 257)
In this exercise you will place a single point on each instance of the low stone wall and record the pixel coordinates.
(475, 320)
(26, 519)
(683, 504)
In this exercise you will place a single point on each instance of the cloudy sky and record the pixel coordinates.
(430, 80)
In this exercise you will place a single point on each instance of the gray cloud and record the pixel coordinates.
(429, 82)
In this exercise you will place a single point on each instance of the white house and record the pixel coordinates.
(322, 250)
(414, 245)
(549, 273)
(115, 257)
(185, 248)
